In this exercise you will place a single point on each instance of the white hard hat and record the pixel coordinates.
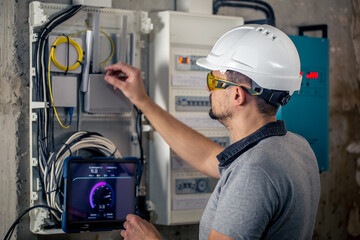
(261, 52)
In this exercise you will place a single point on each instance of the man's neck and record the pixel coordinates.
(244, 125)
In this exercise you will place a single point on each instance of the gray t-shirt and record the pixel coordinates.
(270, 190)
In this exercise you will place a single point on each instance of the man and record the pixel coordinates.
(269, 182)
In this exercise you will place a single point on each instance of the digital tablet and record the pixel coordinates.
(99, 193)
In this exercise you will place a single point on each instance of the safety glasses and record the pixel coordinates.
(215, 83)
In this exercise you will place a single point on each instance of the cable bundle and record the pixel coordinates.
(44, 141)
(52, 170)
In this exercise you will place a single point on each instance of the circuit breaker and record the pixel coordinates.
(307, 113)
(178, 191)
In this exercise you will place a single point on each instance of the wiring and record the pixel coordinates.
(52, 57)
(16, 222)
(79, 50)
(254, 4)
(67, 39)
(44, 142)
(110, 40)
(40, 84)
(52, 170)
(52, 99)
(112, 48)
(138, 129)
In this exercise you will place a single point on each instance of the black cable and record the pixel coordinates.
(44, 124)
(226, 3)
(40, 47)
(138, 129)
(68, 54)
(266, 7)
(16, 222)
(42, 37)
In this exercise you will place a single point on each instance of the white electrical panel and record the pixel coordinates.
(91, 39)
(178, 191)
(94, 3)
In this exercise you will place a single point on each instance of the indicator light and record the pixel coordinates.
(183, 60)
(312, 75)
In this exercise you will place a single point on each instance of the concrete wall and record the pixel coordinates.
(338, 214)
(10, 111)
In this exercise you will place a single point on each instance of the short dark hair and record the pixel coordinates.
(263, 106)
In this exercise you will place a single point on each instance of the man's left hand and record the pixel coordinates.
(139, 229)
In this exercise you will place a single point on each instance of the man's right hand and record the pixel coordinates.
(128, 79)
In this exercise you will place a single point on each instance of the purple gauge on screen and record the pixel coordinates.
(101, 196)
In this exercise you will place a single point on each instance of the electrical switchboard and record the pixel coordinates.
(178, 191)
(72, 109)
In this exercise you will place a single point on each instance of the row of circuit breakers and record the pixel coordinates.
(177, 191)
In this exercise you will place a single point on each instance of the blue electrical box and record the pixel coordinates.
(307, 113)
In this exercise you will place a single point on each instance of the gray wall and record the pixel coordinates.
(338, 214)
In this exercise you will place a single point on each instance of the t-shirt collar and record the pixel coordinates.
(232, 152)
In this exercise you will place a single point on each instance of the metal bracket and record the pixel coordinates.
(96, 41)
(122, 48)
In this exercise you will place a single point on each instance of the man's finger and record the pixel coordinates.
(116, 82)
(123, 233)
(120, 66)
(115, 67)
(131, 217)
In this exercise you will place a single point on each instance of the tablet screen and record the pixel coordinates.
(99, 193)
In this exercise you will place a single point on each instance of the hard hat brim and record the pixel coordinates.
(202, 62)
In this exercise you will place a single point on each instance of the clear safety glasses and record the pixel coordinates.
(215, 83)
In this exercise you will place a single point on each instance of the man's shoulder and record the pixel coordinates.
(278, 156)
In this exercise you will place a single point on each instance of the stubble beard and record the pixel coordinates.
(220, 117)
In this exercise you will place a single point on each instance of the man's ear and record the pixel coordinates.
(240, 96)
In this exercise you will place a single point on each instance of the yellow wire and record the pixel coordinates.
(112, 47)
(111, 41)
(76, 65)
(77, 33)
(63, 39)
(52, 99)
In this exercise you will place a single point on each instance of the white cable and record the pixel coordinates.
(53, 171)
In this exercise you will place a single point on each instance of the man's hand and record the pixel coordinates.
(139, 229)
(128, 79)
